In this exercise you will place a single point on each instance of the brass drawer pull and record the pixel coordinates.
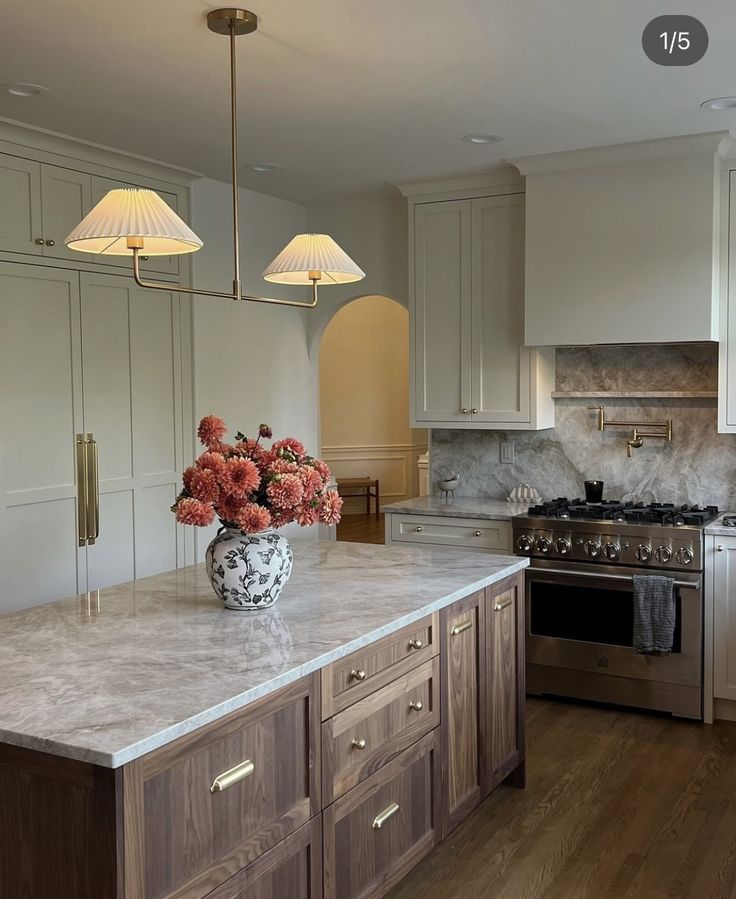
(238, 773)
(502, 604)
(358, 744)
(416, 705)
(415, 643)
(419, 529)
(385, 815)
(461, 628)
(477, 534)
(358, 674)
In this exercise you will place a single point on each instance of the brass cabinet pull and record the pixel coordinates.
(419, 529)
(502, 604)
(358, 674)
(385, 815)
(82, 487)
(39, 241)
(720, 548)
(473, 411)
(93, 490)
(477, 534)
(358, 744)
(233, 776)
(416, 705)
(50, 243)
(415, 643)
(465, 411)
(461, 628)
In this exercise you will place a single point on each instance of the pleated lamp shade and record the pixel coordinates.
(132, 212)
(315, 254)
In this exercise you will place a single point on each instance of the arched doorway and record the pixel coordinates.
(364, 407)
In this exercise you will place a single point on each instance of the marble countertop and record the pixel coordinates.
(717, 529)
(460, 507)
(106, 679)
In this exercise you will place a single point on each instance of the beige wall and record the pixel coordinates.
(364, 397)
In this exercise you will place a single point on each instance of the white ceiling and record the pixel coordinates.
(349, 95)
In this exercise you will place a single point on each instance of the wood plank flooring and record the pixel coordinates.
(618, 805)
(361, 529)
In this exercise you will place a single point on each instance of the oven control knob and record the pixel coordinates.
(663, 554)
(684, 556)
(643, 552)
(525, 543)
(543, 545)
(593, 549)
(611, 551)
(562, 546)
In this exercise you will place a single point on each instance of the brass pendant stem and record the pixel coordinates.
(234, 154)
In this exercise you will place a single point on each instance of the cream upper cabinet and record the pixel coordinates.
(21, 230)
(65, 200)
(622, 243)
(727, 347)
(469, 366)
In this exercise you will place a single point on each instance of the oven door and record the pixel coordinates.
(581, 618)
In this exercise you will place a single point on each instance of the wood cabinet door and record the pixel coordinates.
(132, 370)
(440, 313)
(461, 654)
(65, 200)
(41, 412)
(291, 870)
(20, 209)
(377, 832)
(200, 809)
(501, 369)
(503, 743)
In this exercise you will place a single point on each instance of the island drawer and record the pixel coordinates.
(291, 870)
(200, 809)
(361, 673)
(379, 830)
(361, 739)
(441, 530)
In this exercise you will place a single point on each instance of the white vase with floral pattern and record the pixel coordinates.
(248, 571)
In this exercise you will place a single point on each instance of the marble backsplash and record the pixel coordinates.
(698, 466)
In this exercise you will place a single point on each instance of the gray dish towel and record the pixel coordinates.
(654, 613)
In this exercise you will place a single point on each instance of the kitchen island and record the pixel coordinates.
(153, 744)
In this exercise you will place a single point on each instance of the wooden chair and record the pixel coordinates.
(367, 487)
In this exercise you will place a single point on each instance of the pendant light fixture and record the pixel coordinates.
(135, 222)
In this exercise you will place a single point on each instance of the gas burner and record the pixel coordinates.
(664, 514)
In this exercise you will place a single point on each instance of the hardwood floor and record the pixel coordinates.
(361, 529)
(618, 804)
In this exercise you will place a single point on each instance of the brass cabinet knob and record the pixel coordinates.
(416, 705)
(477, 533)
(415, 643)
(720, 548)
(419, 529)
(358, 674)
(39, 241)
(473, 411)
(465, 411)
(144, 258)
(358, 744)
(50, 243)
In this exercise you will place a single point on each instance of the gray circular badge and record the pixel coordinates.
(675, 40)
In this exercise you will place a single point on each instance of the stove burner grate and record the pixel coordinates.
(666, 514)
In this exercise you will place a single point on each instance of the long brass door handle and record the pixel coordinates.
(82, 488)
(502, 604)
(93, 490)
(382, 817)
(232, 776)
(461, 628)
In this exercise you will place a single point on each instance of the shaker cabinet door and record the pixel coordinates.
(65, 200)
(440, 319)
(724, 618)
(21, 228)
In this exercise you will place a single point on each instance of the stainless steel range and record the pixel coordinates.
(579, 601)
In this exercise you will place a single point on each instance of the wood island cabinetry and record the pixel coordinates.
(332, 787)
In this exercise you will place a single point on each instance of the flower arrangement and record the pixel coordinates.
(251, 488)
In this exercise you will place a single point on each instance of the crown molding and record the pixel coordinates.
(494, 180)
(720, 143)
(64, 146)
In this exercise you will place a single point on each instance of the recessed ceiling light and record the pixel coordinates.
(719, 103)
(24, 89)
(264, 168)
(482, 138)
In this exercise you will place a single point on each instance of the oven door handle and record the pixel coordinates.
(694, 585)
